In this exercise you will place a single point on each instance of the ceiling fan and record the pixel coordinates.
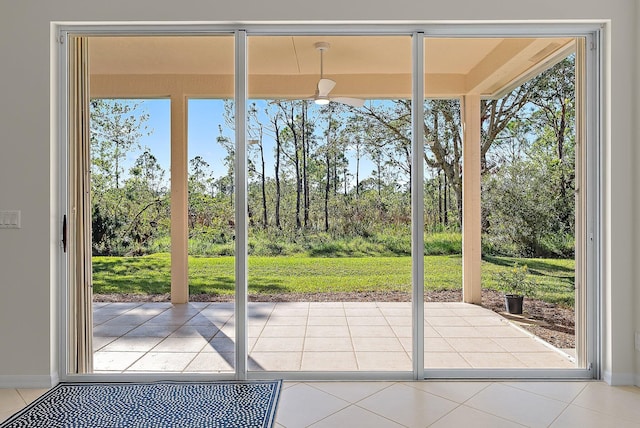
(325, 86)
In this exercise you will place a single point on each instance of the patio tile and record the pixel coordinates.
(327, 312)
(444, 360)
(289, 312)
(255, 330)
(163, 362)
(521, 344)
(170, 319)
(100, 342)
(446, 331)
(361, 305)
(128, 319)
(431, 312)
(195, 331)
(317, 320)
(315, 305)
(102, 318)
(329, 361)
(275, 361)
(472, 310)
(543, 359)
(492, 360)
(407, 344)
(220, 345)
(281, 320)
(152, 309)
(448, 321)
(474, 344)
(211, 362)
(278, 344)
(428, 332)
(292, 305)
(327, 331)
(152, 331)
(400, 320)
(227, 330)
(355, 311)
(436, 344)
(115, 360)
(486, 320)
(383, 361)
(366, 320)
(112, 330)
(181, 344)
(372, 331)
(283, 331)
(377, 344)
(115, 309)
(504, 331)
(322, 344)
(201, 320)
(396, 312)
(289, 327)
(125, 344)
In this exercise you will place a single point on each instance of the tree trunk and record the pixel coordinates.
(305, 178)
(265, 219)
(277, 175)
(327, 191)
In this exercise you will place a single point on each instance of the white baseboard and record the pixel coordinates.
(29, 381)
(621, 379)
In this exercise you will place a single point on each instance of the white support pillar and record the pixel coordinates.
(471, 217)
(179, 200)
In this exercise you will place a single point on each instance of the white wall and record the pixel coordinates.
(28, 148)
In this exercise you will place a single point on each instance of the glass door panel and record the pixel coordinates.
(500, 206)
(329, 203)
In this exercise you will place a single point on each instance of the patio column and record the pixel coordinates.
(471, 217)
(179, 224)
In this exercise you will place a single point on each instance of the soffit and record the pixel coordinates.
(289, 66)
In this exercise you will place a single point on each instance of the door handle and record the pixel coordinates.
(64, 233)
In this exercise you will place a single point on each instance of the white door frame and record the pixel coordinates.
(594, 163)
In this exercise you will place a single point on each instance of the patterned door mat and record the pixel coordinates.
(155, 404)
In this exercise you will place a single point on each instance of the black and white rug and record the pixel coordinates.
(157, 404)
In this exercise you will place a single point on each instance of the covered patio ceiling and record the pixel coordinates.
(374, 67)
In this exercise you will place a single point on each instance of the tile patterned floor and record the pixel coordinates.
(436, 404)
(327, 336)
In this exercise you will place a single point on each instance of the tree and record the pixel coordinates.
(116, 127)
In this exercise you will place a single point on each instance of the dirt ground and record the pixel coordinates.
(554, 324)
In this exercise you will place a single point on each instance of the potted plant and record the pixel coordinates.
(516, 284)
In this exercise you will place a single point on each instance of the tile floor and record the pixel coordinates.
(303, 336)
(436, 404)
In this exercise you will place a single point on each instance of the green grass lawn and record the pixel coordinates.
(301, 274)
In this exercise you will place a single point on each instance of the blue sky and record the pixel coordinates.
(204, 118)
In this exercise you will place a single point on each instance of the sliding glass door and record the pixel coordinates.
(343, 205)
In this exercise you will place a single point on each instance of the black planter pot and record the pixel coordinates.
(513, 303)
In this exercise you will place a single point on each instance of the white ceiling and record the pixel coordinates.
(362, 64)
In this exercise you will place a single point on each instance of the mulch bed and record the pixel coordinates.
(552, 323)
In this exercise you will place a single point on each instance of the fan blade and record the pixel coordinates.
(353, 102)
(325, 86)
